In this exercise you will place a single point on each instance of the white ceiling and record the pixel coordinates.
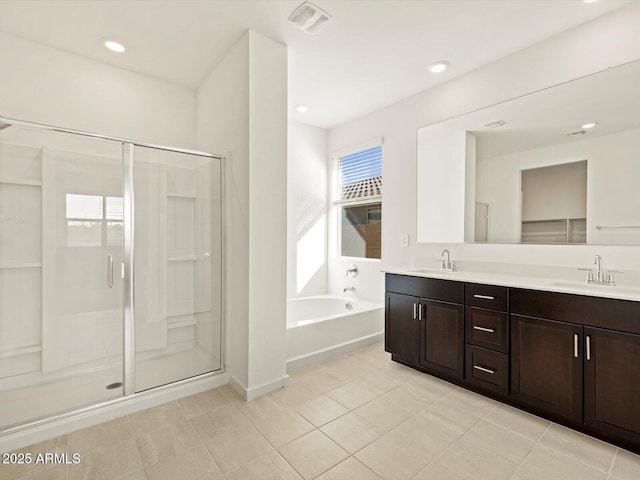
(373, 53)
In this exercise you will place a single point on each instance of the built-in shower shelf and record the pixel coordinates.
(20, 181)
(6, 352)
(20, 265)
(181, 195)
(183, 323)
(183, 258)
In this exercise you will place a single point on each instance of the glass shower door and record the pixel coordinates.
(61, 293)
(177, 251)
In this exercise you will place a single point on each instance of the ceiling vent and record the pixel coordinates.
(309, 18)
(494, 124)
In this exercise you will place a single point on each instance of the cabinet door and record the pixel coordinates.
(612, 382)
(401, 327)
(546, 365)
(442, 334)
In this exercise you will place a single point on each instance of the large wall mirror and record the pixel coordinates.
(561, 165)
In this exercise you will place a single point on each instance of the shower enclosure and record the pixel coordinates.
(110, 269)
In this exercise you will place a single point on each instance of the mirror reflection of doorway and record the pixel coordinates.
(482, 222)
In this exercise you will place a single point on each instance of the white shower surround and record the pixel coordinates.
(321, 326)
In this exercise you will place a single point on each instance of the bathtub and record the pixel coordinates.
(323, 326)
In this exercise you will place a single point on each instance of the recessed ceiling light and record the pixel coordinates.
(114, 46)
(302, 108)
(589, 1)
(439, 66)
(587, 126)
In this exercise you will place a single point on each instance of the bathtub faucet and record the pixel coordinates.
(349, 289)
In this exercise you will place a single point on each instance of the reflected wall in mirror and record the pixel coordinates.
(548, 133)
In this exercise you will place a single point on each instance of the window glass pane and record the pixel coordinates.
(114, 233)
(361, 231)
(360, 174)
(114, 208)
(84, 233)
(84, 206)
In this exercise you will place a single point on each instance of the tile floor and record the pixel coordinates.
(357, 417)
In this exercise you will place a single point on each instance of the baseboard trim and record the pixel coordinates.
(254, 392)
(326, 353)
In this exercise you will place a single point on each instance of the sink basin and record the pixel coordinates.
(428, 270)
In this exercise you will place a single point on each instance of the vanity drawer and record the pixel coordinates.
(487, 369)
(487, 328)
(486, 296)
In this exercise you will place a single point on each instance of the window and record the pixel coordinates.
(93, 220)
(358, 196)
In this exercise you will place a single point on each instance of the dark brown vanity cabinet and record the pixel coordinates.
(546, 365)
(424, 323)
(581, 362)
(612, 382)
(487, 337)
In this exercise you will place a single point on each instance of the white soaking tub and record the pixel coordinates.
(322, 326)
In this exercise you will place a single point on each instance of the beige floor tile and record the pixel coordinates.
(313, 454)
(520, 422)
(351, 432)
(470, 402)
(450, 417)
(588, 450)
(545, 464)
(379, 383)
(424, 436)
(626, 466)
(166, 442)
(107, 462)
(319, 376)
(230, 393)
(137, 475)
(350, 469)
(156, 417)
(435, 386)
(297, 393)
(495, 440)
(101, 435)
(222, 420)
(382, 414)
(13, 471)
(235, 449)
(351, 395)
(283, 427)
(411, 397)
(203, 402)
(348, 367)
(321, 410)
(392, 458)
(262, 407)
(193, 464)
(468, 462)
(267, 467)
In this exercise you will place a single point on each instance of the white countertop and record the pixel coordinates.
(622, 292)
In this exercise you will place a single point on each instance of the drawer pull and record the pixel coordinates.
(484, 369)
(483, 329)
(484, 297)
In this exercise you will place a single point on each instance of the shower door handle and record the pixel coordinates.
(109, 271)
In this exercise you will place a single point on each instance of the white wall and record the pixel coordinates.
(46, 85)
(242, 111)
(594, 46)
(306, 210)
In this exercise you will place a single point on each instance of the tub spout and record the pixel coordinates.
(349, 289)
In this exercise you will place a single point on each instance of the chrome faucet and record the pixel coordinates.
(349, 289)
(352, 270)
(600, 276)
(447, 264)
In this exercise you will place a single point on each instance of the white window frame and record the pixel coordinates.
(337, 204)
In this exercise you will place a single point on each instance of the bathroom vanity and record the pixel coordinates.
(560, 351)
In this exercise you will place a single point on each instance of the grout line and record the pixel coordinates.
(613, 461)
(531, 451)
